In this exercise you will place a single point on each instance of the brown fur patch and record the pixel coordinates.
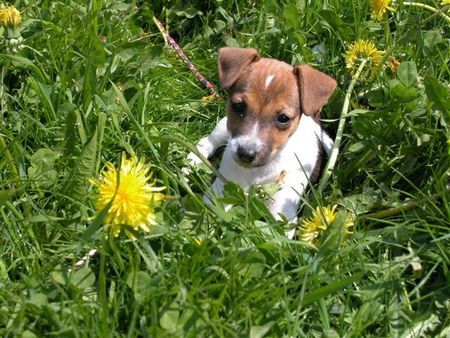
(269, 89)
(265, 103)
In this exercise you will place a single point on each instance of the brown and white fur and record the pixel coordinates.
(272, 126)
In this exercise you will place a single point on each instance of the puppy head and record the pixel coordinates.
(265, 102)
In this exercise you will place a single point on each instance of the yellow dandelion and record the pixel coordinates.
(379, 7)
(362, 49)
(10, 16)
(312, 228)
(132, 198)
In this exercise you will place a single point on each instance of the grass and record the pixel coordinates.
(94, 81)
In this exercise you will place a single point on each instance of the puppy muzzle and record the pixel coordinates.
(250, 155)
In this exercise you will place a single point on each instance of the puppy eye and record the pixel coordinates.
(238, 108)
(283, 120)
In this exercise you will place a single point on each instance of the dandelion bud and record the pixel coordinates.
(10, 17)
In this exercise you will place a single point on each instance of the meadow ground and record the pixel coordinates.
(93, 81)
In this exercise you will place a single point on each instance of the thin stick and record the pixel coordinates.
(337, 142)
(168, 39)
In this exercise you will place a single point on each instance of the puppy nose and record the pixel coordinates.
(245, 155)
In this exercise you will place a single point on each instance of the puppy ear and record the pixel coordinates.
(315, 88)
(232, 62)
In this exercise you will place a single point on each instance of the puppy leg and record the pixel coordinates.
(209, 144)
(326, 140)
(286, 201)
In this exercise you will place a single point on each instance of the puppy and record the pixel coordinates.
(272, 130)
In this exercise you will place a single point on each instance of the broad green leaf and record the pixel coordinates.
(189, 12)
(70, 137)
(140, 283)
(251, 263)
(42, 171)
(83, 170)
(58, 276)
(5, 195)
(359, 203)
(28, 334)
(98, 54)
(407, 73)
(403, 93)
(356, 147)
(423, 328)
(438, 95)
(357, 112)
(170, 318)
(89, 84)
(432, 38)
(83, 278)
(26, 63)
(331, 18)
(38, 299)
(43, 158)
(259, 331)
(44, 94)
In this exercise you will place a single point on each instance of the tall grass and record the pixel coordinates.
(94, 80)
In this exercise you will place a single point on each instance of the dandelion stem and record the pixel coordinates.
(337, 142)
(435, 14)
(400, 209)
(2, 88)
(430, 8)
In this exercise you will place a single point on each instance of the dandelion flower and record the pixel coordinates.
(132, 198)
(379, 7)
(313, 227)
(362, 49)
(10, 16)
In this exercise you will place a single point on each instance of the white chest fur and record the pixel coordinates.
(297, 158)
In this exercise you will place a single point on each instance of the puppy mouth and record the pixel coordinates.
(246, 164)
(250, 161)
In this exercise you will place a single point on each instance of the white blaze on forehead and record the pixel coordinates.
(268, 80)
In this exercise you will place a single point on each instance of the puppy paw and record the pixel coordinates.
(206, 148)
(186, 171)
(193, 161)
(290, 233)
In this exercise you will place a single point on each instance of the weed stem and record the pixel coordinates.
(400, 209)
(337, 142)
(430, 8)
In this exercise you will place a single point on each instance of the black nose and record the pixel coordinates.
(245, 155)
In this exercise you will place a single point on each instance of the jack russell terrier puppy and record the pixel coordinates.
(272, 130)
